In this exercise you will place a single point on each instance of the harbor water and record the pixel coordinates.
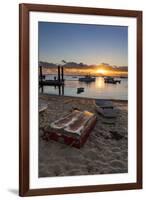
(97, 89)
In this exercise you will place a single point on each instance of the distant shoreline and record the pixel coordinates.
(116, 76)
(55, 95)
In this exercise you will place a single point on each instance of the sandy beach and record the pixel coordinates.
(106, 149)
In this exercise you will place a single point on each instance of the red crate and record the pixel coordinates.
(83, 121)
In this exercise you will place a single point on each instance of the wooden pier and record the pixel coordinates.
(51, 83)
(59, 82)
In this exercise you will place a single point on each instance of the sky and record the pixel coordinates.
(90, 44)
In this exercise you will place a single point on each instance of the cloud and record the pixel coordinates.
(106, 64)
(82, 65)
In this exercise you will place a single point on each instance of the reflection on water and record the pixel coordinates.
(99, 83)
(96, 89)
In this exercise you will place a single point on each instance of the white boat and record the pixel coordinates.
(87, 78)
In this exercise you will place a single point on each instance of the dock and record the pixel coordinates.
(51, 83)
(59, 81)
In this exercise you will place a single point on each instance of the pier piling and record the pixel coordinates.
(59, 73)
(62, 73)
(56, 82)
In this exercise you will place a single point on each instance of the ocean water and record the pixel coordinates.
(97, 89)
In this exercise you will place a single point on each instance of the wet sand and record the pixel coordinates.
(106, 149)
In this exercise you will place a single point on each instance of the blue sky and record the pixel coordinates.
(90, 44)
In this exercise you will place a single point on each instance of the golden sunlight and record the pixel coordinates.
(101, 71)
(100, 83)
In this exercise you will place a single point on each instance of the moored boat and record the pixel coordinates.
(111, 80)
(87, 78)
(79, 90)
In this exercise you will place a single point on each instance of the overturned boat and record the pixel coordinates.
(106, 108)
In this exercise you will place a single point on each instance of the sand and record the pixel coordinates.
(106, 149)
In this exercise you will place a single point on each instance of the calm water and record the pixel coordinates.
(97, 89)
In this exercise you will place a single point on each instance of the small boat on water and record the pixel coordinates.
(80, 89)
(111, 80)
(87, 78)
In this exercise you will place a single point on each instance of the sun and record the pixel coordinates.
(101, 71)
